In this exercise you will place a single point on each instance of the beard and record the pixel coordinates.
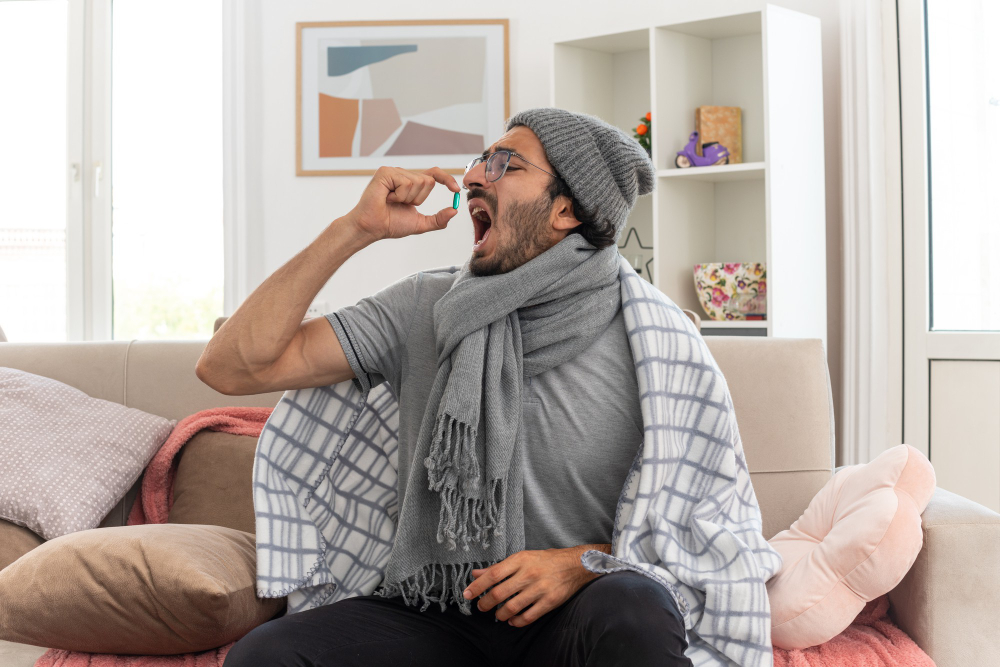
(525, 236)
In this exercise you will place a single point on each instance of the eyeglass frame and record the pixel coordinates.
(486, 158)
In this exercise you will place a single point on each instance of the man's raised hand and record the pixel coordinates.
(388, 206)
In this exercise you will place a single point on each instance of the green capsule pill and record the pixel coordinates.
(458, 197)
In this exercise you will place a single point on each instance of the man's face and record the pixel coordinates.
(518, 221)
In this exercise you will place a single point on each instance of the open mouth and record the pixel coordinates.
(482, 222)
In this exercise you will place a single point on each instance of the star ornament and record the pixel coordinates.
(639, 256)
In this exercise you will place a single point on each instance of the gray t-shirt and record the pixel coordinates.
(582, 420)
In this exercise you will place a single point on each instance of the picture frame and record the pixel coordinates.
(414, 94)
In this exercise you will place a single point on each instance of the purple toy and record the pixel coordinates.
(714, 153)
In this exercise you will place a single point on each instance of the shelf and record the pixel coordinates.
(609, 76)
(733, 324)
(714, 62)
(770, 207)
(721, 27)
(621, 42)
(748, 171)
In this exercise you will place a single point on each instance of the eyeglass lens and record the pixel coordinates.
(496, 165)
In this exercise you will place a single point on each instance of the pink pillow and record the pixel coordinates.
(856, 540)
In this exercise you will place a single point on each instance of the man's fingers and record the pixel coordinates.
(444, 178)
(417, 190)
(493, 574)
(431, 223)
(534, 612)
(425, 189)
(400, 191)
(412, 188)
(511, 608)
(500, 592)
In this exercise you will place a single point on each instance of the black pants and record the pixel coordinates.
(620, 618)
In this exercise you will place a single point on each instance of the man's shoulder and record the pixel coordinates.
(441, 272)
(417, 287)
(435, 282)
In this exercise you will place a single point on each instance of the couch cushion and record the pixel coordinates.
(68, 458)
(15, 541)
(161, 380)
(779, 495)
(781, 394)
(214, 481)
(855, 542)
(153, 590)
(97, 368)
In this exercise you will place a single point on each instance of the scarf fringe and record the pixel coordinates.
(453, 471)
(451, 577)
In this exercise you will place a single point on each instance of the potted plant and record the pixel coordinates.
(643, 130)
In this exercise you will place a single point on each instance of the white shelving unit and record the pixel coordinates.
(769, 208)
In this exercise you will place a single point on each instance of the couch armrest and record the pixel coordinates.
(949, 601)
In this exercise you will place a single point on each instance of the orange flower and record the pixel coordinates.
(649, 115)
(642, 129)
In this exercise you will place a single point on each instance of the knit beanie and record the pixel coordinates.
(604, 168)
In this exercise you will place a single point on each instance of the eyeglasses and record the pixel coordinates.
(496, 165)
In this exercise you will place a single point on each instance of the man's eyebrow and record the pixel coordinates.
(500, 148)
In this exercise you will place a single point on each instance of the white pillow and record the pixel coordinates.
(66, 459)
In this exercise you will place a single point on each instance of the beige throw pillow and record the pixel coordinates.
(214, 481)
(67, 458)
(15, 541)
(142, 590)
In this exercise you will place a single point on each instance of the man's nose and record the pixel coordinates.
(476, 177)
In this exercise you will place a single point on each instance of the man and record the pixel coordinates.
(518, 402)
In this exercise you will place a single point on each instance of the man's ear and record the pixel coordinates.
(563, 216)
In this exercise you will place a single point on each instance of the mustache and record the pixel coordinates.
(475, 193)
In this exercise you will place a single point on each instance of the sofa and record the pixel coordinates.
(949, 602)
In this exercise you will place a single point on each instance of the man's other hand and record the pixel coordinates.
(388, 206)
(543, 579)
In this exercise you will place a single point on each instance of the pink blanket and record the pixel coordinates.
(152, 506)
(872, 640)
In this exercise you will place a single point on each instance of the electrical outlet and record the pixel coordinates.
(317, 309)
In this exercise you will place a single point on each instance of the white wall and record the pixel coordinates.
(286, 212)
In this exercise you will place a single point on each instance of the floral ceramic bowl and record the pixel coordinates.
(732, 290)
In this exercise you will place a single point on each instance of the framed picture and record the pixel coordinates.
(413, 94)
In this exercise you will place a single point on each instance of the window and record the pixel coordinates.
(963, 82)
(111, 183)
(33, 172)
(166, 137)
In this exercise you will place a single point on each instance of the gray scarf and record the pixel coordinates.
(492, 332)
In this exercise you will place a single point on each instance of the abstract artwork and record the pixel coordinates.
(411, 94)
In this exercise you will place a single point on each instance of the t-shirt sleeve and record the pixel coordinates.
(373, 332)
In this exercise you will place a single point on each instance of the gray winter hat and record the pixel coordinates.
(604, 168)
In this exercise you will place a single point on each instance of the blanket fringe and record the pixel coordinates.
(448, 578)
(453, 471)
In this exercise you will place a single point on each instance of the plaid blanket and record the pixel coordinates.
(326, 503)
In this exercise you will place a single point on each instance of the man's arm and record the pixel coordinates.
(264, 346)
